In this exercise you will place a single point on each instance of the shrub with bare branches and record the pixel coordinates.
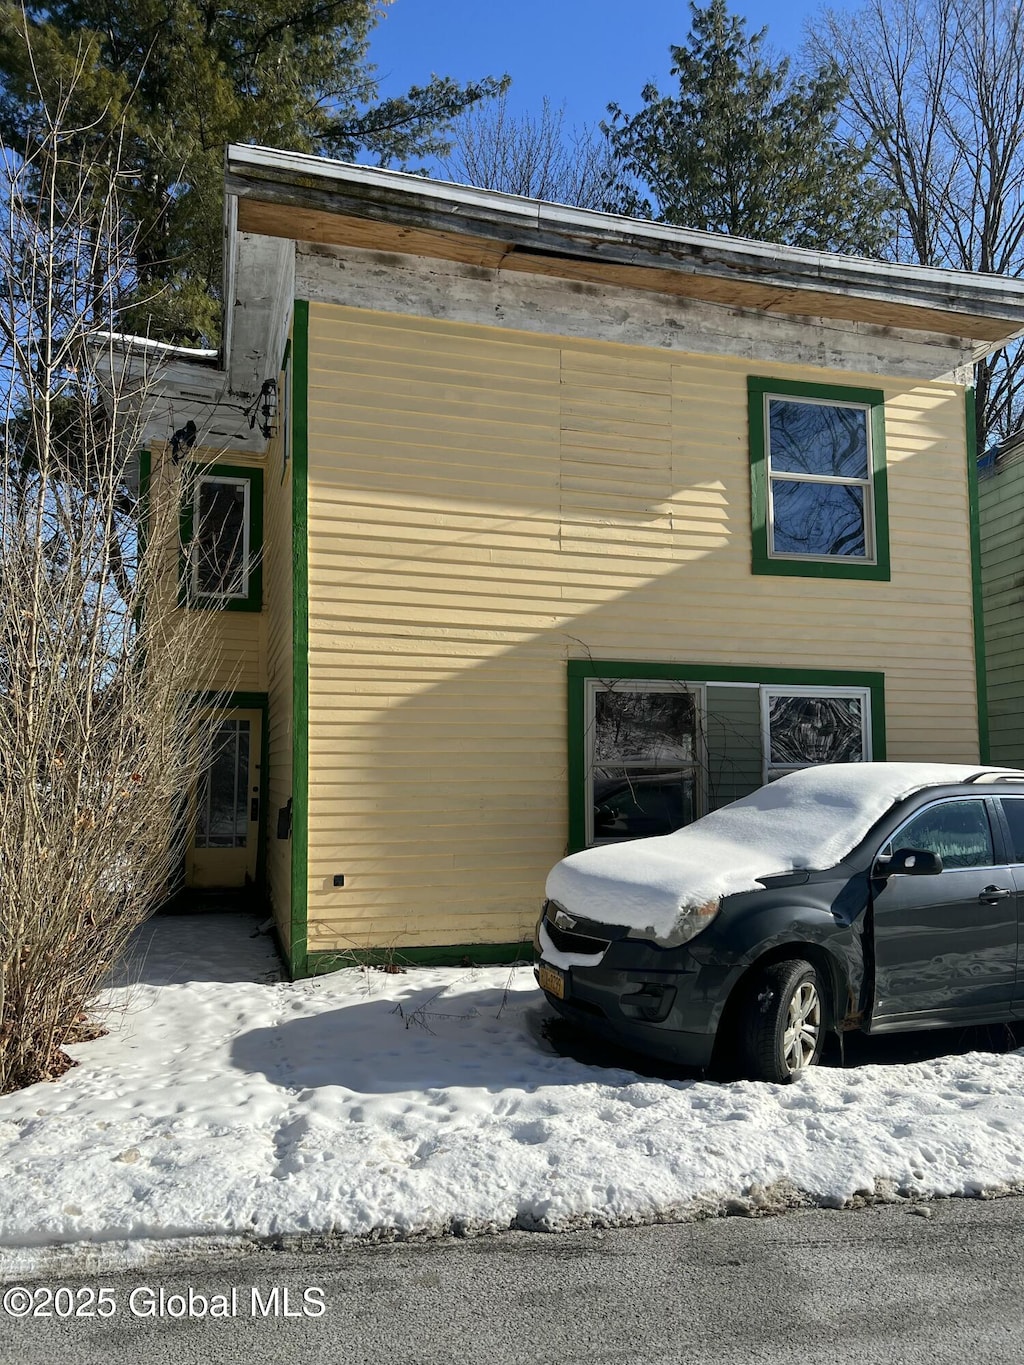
(100, 729)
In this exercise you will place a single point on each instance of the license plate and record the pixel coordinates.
(552, 980)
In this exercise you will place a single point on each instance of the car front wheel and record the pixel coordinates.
(783, 1024)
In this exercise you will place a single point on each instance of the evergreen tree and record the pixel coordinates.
(747, 149)
(167, 83)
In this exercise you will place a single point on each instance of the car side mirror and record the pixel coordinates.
(909, 862)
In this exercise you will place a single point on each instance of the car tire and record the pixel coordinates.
(782, 1025)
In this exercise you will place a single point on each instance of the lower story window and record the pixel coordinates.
(802, 726)
(644, 759)
(656, 752)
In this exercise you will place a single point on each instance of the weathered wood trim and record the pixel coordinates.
(463, 293)
(321, 226)
(563, 240)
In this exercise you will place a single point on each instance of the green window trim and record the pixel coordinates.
(580, 671)
(977, 601)
(299, 958)
(253, 600)
(763, 561)
(325, 960)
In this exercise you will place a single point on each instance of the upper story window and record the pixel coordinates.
(818, 485)
(222, 531)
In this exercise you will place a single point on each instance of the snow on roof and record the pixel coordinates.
(810, 819)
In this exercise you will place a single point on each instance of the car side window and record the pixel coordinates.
(958, 831)
(1014, 812)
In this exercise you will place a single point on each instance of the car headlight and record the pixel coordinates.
(691, 922)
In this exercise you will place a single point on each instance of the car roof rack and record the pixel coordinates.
(998, 775)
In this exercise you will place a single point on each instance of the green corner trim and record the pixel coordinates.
(581, 669)
(298, 957)
(762, 562)
(253, 601)
(444, 955)
(977, 601)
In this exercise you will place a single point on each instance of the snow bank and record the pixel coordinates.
(225, 1102)
(809, 819)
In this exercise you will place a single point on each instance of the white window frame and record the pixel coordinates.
(870, 547)
(699, 693)
(233, 481)
(770, 771)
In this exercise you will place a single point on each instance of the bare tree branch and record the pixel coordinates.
(938, 85)
(535, 155)
(101, 728)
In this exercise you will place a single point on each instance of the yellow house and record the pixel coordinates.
(545, 527)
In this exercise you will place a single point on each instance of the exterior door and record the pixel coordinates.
(946, 945)
(226, 805)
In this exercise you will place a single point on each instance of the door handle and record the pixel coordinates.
(991, 894)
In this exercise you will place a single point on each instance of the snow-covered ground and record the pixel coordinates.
(227, 1102)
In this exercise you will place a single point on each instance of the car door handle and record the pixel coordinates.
(991, 894)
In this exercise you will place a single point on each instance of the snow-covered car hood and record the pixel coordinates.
(810, 819)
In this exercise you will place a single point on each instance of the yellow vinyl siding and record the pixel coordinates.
(277, 611)
(483, 506)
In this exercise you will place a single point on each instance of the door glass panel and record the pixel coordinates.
(223, 815)
(958, 831)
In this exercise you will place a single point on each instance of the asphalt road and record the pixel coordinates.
(879, 1284)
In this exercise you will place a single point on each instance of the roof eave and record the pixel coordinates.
(575, 235)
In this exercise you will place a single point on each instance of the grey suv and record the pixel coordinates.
(895, 908)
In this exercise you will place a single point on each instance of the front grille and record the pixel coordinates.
(570, 940)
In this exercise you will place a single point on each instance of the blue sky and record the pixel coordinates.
(585, 52)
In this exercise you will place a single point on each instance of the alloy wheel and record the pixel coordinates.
(803, 1025)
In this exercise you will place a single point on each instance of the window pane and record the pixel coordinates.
(637, 804)
(1014, 811)
(818, 519)
(224, 789)
(958, 831)
(649, 727)
(220, 538)
(815, 730)
(813, 438)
